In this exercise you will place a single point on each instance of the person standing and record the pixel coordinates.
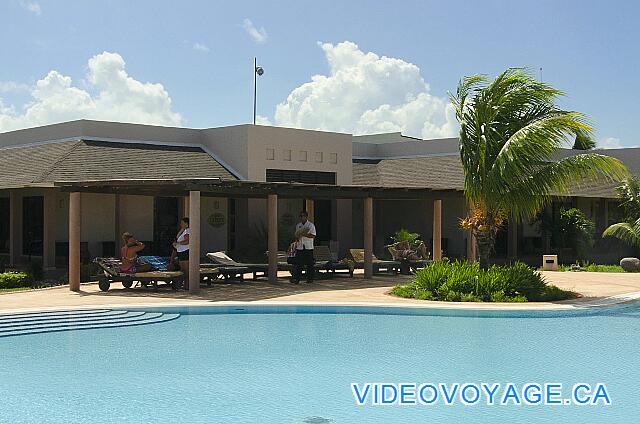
(182, 248)
(305, 233)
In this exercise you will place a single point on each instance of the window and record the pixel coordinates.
(333, 158)
(271, 154)
(286, 154)
(303, 156)
(295, 176)
(319, 157)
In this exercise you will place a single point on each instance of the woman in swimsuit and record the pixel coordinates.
(129, 255)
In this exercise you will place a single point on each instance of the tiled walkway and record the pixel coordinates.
(356, 290)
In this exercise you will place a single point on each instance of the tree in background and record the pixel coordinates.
(629, 230)
(509, 130)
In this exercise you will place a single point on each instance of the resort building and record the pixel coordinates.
(414, 180)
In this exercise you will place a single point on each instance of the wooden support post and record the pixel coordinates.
(185, 206)
(368, 237)
(310, 208)
(437, 230)
(117, 230)
(194, 241)
(272, 242)
(75, 219)
(15, 227)
(49, 230)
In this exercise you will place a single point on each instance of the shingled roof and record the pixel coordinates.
(84, 160)
(435, 172)
(445, 173)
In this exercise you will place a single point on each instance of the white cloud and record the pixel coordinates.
(12, 86)
(32, 7)
(365, 93)
(111, 95)
(201, 47)
(259, 35)
(609, 143)
(263, 120)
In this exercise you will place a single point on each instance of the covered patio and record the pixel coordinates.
(192, 190)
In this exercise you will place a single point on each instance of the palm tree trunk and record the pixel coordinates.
(485, 241)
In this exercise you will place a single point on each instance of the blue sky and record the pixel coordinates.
(202, 52)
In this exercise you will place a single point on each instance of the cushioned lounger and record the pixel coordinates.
(111, 274)
(389, 266)
(222, 259)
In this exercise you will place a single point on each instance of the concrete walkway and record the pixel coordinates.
(594, 287)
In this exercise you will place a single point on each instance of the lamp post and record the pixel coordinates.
(257, 71)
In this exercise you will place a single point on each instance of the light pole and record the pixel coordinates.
(257, 71)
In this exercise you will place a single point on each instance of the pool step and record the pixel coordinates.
(33, 323)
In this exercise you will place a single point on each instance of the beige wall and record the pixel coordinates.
(136, 216)
(213, 230)
(229, 145)
(287, 148)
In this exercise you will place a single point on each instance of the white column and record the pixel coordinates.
(75, 219)
(194, 241)
(272, 242)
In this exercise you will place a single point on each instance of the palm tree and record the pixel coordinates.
(584, 143)
(510, 129)
(629, 230)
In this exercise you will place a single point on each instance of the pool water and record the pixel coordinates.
(295, 364)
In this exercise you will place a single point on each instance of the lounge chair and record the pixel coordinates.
(221, 259)
(111, 274)
(110, 268)
(357, 255)
(325, 261)
(207, 274)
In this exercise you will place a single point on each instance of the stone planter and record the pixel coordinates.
(630, 264)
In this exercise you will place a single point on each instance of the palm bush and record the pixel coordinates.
(629, 230)
(405, 235)
(510, 129)
(467, 282)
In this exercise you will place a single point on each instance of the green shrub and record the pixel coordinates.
(13, 280)
(467, 282)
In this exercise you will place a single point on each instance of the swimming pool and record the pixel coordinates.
(295, 364)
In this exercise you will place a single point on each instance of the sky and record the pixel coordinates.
(351, 66)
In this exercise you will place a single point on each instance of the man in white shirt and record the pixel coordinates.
(305, 233)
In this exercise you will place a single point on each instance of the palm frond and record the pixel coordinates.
(624, 231)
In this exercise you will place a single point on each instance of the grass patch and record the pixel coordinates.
(15, 289)
(466, 282)
(589, 267)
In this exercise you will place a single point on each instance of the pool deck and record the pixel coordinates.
(597, 289)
